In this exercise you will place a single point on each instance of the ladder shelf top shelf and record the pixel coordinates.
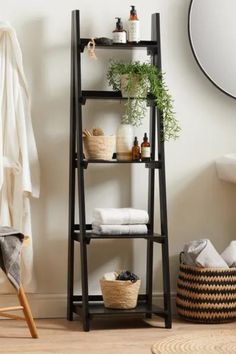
(149, 45)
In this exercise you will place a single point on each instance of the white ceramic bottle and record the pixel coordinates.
(124, 142)
(133, 26)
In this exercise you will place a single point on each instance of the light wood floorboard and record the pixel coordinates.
(107, 336)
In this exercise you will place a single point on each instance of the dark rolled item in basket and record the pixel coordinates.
(206, 295)
(127, 275)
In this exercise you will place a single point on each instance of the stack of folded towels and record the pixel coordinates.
(202, 253)
(119, 221)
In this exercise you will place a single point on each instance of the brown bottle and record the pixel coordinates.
(145, 149)
(136, 150)
(119, 34)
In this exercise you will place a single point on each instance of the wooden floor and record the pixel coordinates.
(106, 336)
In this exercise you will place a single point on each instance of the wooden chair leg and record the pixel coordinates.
(27, 312)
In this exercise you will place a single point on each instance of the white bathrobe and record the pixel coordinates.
(19, 166)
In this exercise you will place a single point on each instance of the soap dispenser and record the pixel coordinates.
(119, 34)
(133, 26)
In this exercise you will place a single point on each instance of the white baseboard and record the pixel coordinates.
(54, 305)
(42, 305)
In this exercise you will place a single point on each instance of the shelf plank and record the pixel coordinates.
(98, 309)
(91, 236)
(120, 161)
(154, 237)
(99, 298)
(113, 161)
(111, 95)
(96, 95)
(150, 45)
(148, 164)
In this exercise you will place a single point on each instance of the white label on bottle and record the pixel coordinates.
(119, 37)
(133, 35)
(145, 152)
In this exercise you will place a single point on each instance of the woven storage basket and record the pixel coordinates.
(99, 147)
(206, 295)
(119, 294)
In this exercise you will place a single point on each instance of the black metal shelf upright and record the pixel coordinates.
(85, 305)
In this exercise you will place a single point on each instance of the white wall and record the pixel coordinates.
(198, 203)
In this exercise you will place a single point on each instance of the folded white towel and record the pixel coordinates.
(229, 254)
(119, 229)
(202, 253)
(120, 216)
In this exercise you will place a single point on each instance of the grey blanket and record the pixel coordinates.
(10, 251)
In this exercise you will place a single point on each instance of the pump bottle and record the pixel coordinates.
(133, 26)
(119, 34)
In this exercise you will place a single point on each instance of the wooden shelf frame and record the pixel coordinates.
(86, 305)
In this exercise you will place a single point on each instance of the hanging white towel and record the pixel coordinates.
(202, 253)
(119, 216)
(229, 254)
(19, 166)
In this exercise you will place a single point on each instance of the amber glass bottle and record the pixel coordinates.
(136, 150)
(145, 149)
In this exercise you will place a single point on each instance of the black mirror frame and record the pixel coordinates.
(196, 58)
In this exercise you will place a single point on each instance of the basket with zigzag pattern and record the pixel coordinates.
(206, 295)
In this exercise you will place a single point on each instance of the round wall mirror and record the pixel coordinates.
(212, 35)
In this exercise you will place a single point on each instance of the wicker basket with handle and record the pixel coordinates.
(206, 295)
(119, 294)
(99, 147)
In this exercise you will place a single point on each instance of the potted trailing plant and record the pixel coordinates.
(136, 80)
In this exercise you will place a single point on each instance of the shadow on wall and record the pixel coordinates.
(203, 208)
(50, 118)
(50, 258)
(158, 276)
(103, 256)
(48, 71)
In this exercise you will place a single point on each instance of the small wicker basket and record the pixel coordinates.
(119, 294)
(206, 295)
(99, 147)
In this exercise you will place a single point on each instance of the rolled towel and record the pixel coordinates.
(110, 276)
(119, 229)
(202, 253)
(120, 216)
(229, 254)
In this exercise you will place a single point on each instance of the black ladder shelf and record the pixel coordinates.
(85, 305)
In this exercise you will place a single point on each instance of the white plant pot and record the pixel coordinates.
(124, 142)
(123, 86)
(135, 91)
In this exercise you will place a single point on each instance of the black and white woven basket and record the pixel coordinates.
(206, 295)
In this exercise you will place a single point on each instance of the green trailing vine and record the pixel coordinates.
(150, 81)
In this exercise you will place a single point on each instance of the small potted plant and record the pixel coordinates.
(135, 80)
